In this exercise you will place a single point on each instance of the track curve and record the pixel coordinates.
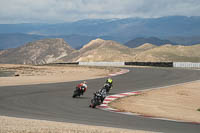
(54, 101)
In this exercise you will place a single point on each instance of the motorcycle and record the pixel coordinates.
(97, 100)
(108, 87)
(77, 92)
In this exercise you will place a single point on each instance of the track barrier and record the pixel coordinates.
(102, 63)
(155, 64)
(186, 64)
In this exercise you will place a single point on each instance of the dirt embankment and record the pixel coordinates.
(27, 74)
(179, 102)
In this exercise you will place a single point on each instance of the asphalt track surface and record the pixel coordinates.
(54, 102)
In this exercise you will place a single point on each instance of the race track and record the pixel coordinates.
(54, 101)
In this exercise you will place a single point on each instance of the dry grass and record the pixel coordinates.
(19, 125)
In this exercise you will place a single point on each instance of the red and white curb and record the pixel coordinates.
(123, 71)
(108, 99)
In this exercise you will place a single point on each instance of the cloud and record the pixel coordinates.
(53, 11)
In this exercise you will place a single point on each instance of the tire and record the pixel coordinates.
(93, 104)
(75, 94)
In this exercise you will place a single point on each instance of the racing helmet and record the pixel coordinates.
(109, 80)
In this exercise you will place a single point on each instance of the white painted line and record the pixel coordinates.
(117, 96)
(109, 98)
(106, 101)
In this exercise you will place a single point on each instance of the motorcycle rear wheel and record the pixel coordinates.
(75, 94)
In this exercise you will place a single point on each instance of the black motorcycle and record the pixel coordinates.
(97, 100)
(77, 92)
(107, 86)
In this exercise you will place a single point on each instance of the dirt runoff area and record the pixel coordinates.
(27, 74)
(179, 102)
(18, 125)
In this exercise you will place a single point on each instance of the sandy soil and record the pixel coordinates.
(179, 102)
(18, 125)
(27, 74)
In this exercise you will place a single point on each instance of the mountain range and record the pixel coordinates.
(57, 50)
(126, 28)
(14, 40)
(176, 29)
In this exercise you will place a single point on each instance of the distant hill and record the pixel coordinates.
(185, 40)
(98, 50)
(38, 52)
(14, 40)
(153, 40)
(145, 47)
(77, 41)
(169, 52)
(102, 50)
(57, 50)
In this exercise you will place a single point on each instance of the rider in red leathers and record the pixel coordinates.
(82, 87)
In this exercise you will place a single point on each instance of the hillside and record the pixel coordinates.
(57, 50)
(38, 52)
(14, 40)
(177, 53)
(144, 47)
(185, 40)
(141, 40)
(102, 50)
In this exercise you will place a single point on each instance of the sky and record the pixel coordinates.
(59, 11)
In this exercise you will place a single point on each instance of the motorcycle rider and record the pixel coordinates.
(103, 93)
(110, 82)
(82, 86)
